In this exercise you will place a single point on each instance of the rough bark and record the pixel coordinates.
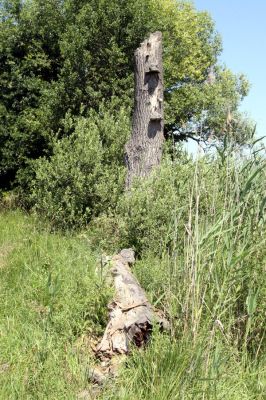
(131, 315)
(144, 149)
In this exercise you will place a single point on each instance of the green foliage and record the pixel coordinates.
(198, 226)
(156, 211)
(209, 280)
(65, 186)
(153, 207)
(199, 230)
(50, 298)
(170, 370)
(29, 53)
(62, 59)
(215, 106)
(154, 214)
(85, 174)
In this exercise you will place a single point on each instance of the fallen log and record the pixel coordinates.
(131, 316)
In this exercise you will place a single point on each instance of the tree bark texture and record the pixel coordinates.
(144, 149)
(131, 316)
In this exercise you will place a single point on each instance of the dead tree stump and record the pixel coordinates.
(144, 149)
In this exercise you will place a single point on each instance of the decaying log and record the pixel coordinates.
(144, 148)
(131, 316)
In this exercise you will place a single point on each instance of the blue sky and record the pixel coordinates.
(242, 25)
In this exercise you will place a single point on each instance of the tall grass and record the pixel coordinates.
(50, 297)
(199, 231)
(211, 284)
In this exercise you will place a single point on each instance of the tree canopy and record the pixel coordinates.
(61, 59)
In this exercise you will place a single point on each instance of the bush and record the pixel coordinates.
(160, 211)
(155, 214)
(85, 175)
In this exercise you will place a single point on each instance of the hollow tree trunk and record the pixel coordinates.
(144, 149)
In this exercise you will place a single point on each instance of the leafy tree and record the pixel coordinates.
(200, 93)
(61, 59)
(29, 57)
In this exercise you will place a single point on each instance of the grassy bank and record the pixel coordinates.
(210, 283)
(50, 297)
(204, 266)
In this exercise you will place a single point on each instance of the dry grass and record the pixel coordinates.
(5, 251)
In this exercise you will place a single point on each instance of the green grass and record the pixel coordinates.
(50, 296)
(209, 281)
(182, 370)
(211, 284)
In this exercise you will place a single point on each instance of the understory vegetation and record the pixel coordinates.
(198, 227)
(197, 224)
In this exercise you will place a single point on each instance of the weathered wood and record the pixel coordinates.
(131, 315)
(144, 149)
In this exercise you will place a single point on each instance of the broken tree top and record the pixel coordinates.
(144, 149)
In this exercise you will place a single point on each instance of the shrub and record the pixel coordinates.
(157, 211)
(85, 173)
